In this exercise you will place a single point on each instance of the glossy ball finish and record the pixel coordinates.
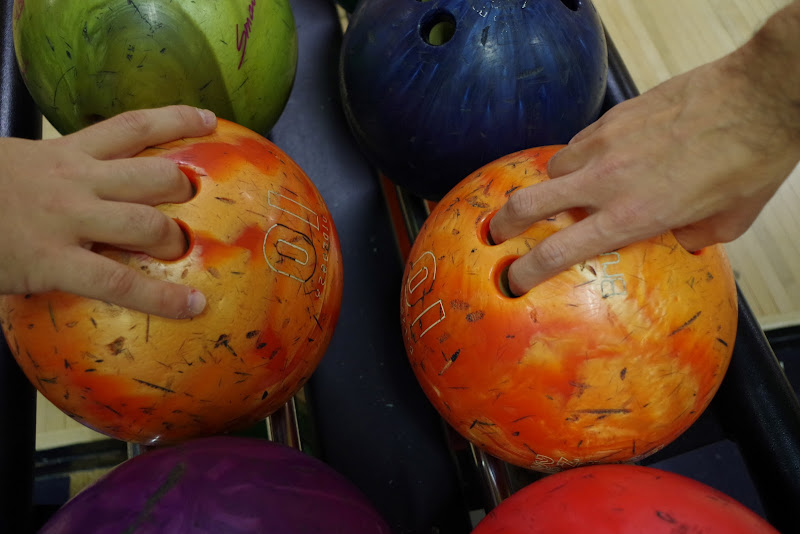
(86, 60)
(608, 361)
(433, 90)
(265, 253)
(219, 485)
(621, 499)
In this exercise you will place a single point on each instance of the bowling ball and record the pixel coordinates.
(86, 60)
(264, 251)
(621, 499)
(433, 90)
(606, 362)
(219, 485)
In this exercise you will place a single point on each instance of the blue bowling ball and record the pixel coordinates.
(435, 89)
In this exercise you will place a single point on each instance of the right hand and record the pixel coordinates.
(699, 155)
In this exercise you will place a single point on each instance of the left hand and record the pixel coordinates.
(60, 196)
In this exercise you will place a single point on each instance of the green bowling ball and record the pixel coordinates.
(86, 60)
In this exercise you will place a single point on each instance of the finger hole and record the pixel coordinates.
(501, 277)
(193, 175)
(189, 238)
(484, 232)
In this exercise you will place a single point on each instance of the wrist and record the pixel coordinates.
(770, 61)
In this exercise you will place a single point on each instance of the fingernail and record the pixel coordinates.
(196, 302)
(209, 118)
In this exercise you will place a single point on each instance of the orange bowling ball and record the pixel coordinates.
(606, 362)
(262, 248)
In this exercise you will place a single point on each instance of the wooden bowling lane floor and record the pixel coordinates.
(657, 39)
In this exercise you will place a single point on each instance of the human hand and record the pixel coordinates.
(699, 155)
(60, 196)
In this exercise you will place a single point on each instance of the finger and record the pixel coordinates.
(94, 276)
(132, 227)
(149, 180)
(530, 205)
(585, 144)
(720, 228)
(561, 250)
(565, 161)
(586, 132)
(129, 133)
(573, 157)
(592, 128)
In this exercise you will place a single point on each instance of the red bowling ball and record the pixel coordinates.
(621, 499)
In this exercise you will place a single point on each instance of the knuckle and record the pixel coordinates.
(186, 114)
(611, 164)
(521, 205)
(120, 282)
(166, 303)
(171, 301)
(65, 148)
(61, 204)
(61, 169)
(549, 256)
(624, 216)
(155, 224)
(624, 219)
(146, 225)
(137, 122)
(160, 165)
(167, 172)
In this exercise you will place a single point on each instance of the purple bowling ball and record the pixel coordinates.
(220, 485)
